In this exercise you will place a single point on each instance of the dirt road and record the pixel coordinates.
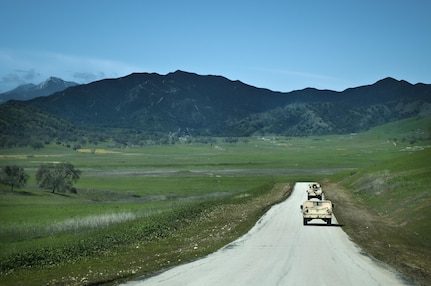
(279, 250)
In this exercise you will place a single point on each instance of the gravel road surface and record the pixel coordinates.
(279, 250)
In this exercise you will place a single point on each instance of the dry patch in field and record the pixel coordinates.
(97, 151)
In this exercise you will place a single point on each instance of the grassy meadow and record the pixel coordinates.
(138, 210)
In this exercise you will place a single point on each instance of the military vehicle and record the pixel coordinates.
(314, 191)
(317, 210)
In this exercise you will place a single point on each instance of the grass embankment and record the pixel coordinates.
(141, 246)
(386, 209)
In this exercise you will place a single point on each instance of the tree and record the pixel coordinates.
(13, 176)
(37, 145)
(57, 177)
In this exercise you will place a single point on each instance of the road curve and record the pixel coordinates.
(279, 250)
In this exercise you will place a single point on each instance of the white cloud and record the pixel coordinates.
(88, 69)
(19, 67)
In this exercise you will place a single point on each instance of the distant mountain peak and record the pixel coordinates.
(53, 78)
(29, 91)
(54, 82)
(180, 73)
(390, 81)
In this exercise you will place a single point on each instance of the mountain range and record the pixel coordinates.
(29, 91)
(214, 105)
(208, 105)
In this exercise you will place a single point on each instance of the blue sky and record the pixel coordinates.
(280, 45)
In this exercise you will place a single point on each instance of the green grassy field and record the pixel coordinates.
(137, 202)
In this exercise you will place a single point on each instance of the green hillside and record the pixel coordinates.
(386, 207)
(399, 190)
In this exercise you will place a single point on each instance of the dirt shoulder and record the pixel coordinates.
(378, 237)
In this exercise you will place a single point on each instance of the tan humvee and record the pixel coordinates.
(317, 210)
(314, 191)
